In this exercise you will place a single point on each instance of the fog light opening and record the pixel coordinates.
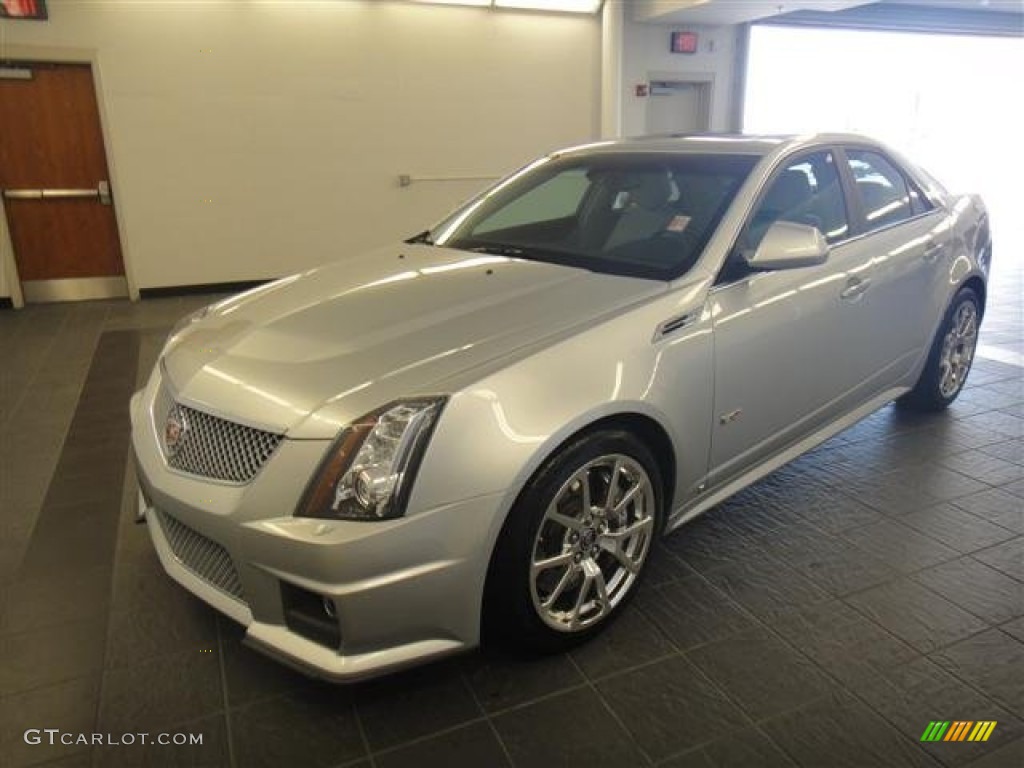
(329, 608)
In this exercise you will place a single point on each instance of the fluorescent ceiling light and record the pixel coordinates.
(565, 6)
(455, 2)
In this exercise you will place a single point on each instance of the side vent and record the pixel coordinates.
(673, 324)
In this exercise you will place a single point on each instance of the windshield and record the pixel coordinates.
(643, 215)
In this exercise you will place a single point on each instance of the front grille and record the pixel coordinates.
(212, 447)
(205, 558)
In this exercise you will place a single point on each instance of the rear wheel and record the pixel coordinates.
(950, 358)
(575, 544)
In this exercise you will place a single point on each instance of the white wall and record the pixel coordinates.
(252, 139)
(646, 54)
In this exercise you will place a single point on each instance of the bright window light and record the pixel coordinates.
(565, 6)
(559, 6)
(455, 2)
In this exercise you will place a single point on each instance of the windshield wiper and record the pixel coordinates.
(423, 238)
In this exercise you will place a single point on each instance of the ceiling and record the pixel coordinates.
(739, 11)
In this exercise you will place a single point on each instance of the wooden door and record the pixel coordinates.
(53, 173)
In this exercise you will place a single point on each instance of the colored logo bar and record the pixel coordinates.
(958, 730)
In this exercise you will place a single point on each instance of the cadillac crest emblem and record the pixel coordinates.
(175, 431)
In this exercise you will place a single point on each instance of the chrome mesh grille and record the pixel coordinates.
(205, 558)
(213, 447)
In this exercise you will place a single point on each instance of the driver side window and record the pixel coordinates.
(806, 191)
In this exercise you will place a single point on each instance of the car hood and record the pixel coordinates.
(307, 354)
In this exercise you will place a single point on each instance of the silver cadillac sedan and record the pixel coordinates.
(477, 434)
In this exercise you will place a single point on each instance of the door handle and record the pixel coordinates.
(48, 194)
(855, 286)
(932, 251)
(102, 191)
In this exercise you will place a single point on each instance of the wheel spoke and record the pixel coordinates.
(613, 484)
(615, 550)
(630, 495)
(602, 588)
(559, 588)
(552, 562)
(574, 614)
(584, 478)
(638, 527)
(565, 520)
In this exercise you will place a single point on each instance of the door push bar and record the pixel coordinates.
(102, 191)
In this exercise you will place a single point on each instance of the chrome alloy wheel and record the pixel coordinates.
(592, 543)
(958, 349)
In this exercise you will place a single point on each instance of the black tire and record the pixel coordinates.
(932, 391)
(511, 617)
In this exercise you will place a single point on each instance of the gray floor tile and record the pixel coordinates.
(471, 745)
(414, 704)
(549, 733)
(916, 615)
(992, 662)
(900, 546)
(1007, 557)
(760, 673)
(744, 749)
(691, 612)
(956, 528)
(316, 728)
(157, 693)
(840, 732)
(631, 641)
(842, 641)
(499, 680)
(975, 587)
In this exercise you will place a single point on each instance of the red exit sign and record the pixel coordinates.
(683, 42)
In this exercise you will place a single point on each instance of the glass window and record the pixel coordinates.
(640, 214)
(884, 193)
(556, 198)
(807, 191)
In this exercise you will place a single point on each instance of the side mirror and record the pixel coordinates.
(788, 245)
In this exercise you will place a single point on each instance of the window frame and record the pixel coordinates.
(853, 218)
(864, 227)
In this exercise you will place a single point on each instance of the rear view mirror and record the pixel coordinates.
(788, 245)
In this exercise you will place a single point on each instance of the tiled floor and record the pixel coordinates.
(820, 618)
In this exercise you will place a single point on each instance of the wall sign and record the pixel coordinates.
(23, 9)
(683, 42)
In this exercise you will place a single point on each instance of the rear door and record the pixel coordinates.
(909, 241)
(55, 184)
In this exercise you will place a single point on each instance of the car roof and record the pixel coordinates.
(718, 143)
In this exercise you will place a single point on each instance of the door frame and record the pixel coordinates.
(38, 54)
(704, 80)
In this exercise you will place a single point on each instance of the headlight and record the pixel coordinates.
(188, 320)
(369, 470)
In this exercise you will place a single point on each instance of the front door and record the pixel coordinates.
(55, 185)
(794, 348)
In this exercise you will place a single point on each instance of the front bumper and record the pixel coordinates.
(402, 591)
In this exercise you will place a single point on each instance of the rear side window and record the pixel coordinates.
(886, 196)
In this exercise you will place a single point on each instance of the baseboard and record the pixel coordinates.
(6, 302)
(192, 290)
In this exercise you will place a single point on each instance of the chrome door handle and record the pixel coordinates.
(102, 191)
(932, 251)
(855, 286)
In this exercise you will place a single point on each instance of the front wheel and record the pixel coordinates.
(950, 358)
(575, 544)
